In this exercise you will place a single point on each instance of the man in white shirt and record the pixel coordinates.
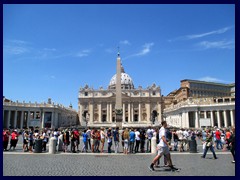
(137, 135)
(163, 148)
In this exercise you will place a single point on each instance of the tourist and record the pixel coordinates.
(169, 138)
(142, 140)
(180, 137)
(228, 135)
(103, 135)
(203, 140)
(30, 139)
(14, 139)
(76, 139)
(66, 140)
(218, 139)
(116, 139)
(73, 144)
(126, 140)
(232, 144)
(109, 139)
(97, 142)
(149, 137)
(137, 136)
(89, 137)
(5, 139)
(131, 140)
(163, 148)
(93, 139)
(122, 139)
(25, 141)
(85, 141)
(45, 138)
(185, 140)
(175, 140)
(209, 144)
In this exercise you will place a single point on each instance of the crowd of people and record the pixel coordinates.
(133, 140)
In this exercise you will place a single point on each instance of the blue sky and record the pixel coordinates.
(53, 50)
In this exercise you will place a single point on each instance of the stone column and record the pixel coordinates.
(8, 119)
(159, 113)
(196, 120)
(110, 112)
(34, 116)
(80, 114)
(124, 112)
(56, 120)
(28, 117)
(139, 112)
(225, 118)
(129, 112)
(132, 112)
(21, 120)
(186, 119)
(218, 119)
(91, 113)
(212, 120)
(52, 120)
(43, 118)
(232, 118)
(100, 112)
(148, 112)
(205, 114)
(15, 119)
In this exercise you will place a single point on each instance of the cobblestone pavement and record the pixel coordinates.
(113, 165)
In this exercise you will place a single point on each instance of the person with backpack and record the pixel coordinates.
(209, 144)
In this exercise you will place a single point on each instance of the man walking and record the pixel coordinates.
(163, 148)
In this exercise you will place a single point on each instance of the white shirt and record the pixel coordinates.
(162, 132)
(180, 134)
(137, 133)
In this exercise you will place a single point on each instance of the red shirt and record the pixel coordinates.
(218, 135)
(228, 134)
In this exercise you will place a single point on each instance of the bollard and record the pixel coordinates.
(153, 145)
(52, 145)
(192, 146)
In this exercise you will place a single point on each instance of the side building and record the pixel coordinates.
(44, 115)
(199, 104)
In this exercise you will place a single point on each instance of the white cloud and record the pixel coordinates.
(219, 31)
(217, 44)
(195, 36)
(211, 79)
(146, 49)
(16, 47)
(125, 42)
(83, 53)
(52, 77)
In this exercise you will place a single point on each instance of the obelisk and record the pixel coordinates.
(118, 106)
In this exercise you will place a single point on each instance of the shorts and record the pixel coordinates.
(103, 140)
(93, 141)
(30, 142)
(125, 144)
(25, 141)
(163, 150)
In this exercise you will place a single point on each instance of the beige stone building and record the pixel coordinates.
(197, 102)
(140, 106)
(22, 115)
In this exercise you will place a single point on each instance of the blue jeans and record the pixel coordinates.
(219, 142)
(211, 149)
(175, 144)
(109, 147)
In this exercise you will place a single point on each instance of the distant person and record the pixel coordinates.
(209, 144)
(137, 136)
(85, 141)
(126, 140)
(232, 144)
(5, 139)
(116, 139)
(132, 140)
(14, 140)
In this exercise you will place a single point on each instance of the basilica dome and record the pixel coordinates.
(126, 81)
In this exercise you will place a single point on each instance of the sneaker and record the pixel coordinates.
(175, 169)
(151, 168)
(215, 158)
(233, 161)
(157, 166)
(202, 157)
